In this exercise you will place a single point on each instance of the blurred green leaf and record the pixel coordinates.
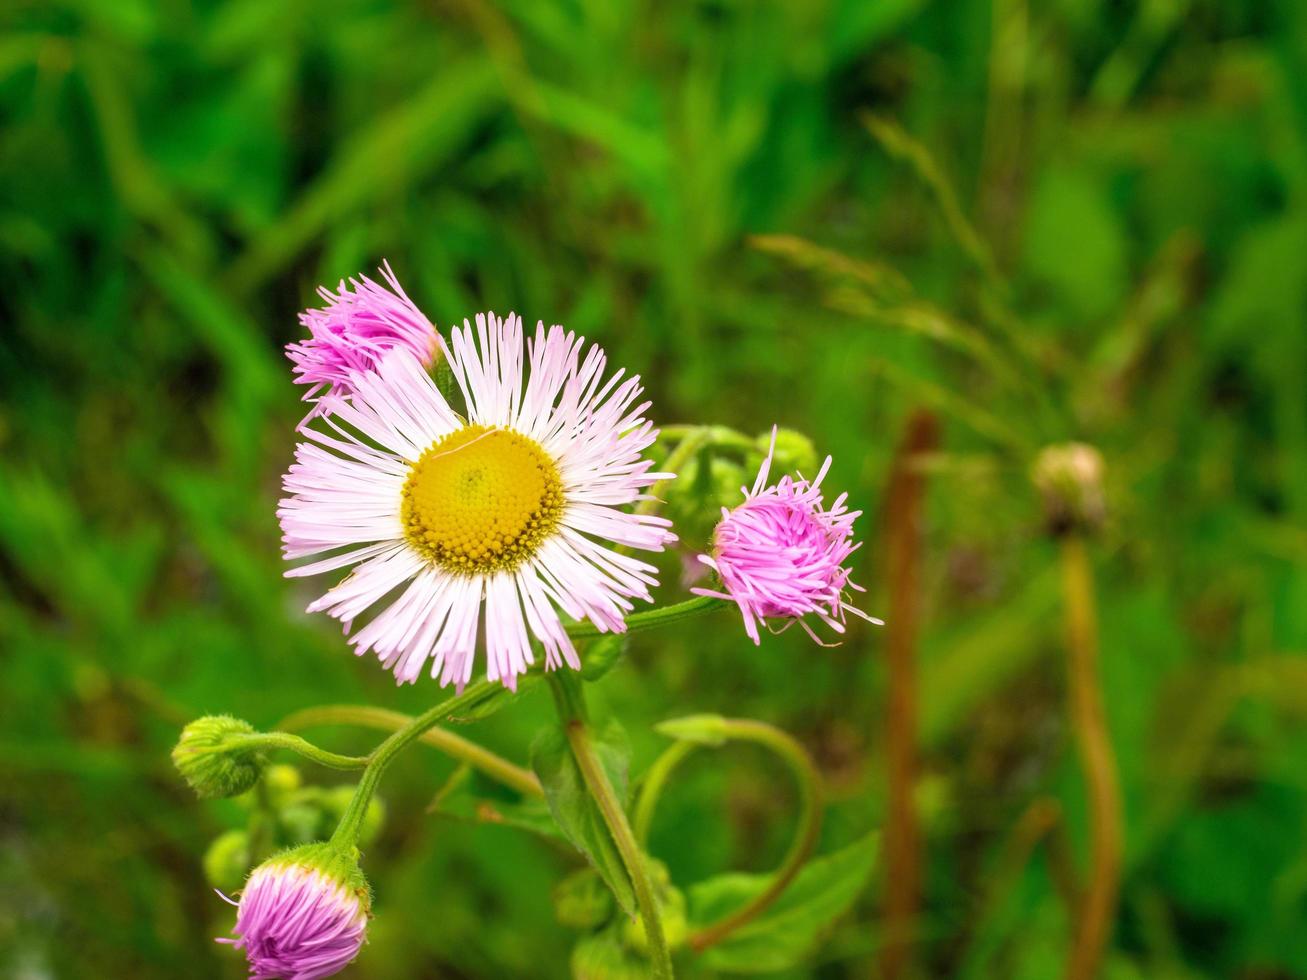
(787, 932)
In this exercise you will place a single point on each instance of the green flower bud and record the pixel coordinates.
(705, 484)
(675, 928)
(281, 781)
(582, 900)
(300, 823)
(210, 759)
(671, 908)
(603, 956)
(794, 453)
(1070, 478)
(227, 860)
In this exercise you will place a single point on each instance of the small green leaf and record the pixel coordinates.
(788, 931)
(602, 655)
(572, 807)
(699, 729)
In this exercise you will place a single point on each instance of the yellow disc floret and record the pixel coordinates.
(481, 500)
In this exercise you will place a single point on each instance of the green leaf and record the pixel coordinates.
(572, 807)
(788, 931)
(529, 815)
(602, 655)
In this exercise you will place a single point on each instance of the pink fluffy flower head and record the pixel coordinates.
(362, 321)
(302, 915)
(781, 553)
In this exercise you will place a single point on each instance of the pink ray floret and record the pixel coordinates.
(295, 923)
(362, 321)
(781, 554)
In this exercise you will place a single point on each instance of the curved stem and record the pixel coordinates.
(1099, 905)
(570, 700)
(283, 740)
(652, 618)
(347, 830)
(805, 835)
(654, 780)
(480, 758)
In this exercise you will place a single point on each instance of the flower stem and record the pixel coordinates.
(347, 830)
(452, 744)
(283, 740)
(652, 618)
(805, 835)
(570, 699)
(1096, 756)
(655, 778)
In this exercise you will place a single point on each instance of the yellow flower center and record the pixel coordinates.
(481, 500)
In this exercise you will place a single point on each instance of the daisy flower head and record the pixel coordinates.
(510, 507)
(302, 915)
(362, 321)
(781, 553)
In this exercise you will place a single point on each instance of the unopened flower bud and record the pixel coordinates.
(211, 759)
(671, 910)
(794, 452)
(303, 914)
(337, 802)
(1070, 477)
(582, 900)
(227, 860)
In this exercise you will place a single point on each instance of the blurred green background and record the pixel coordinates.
(1039, 221)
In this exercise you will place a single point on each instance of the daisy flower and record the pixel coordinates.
(302, 915)
(512, 508)
(781, 553)
(359, 325)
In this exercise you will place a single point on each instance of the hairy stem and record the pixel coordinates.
(452, 744)
(1105, 835)
(805, 835)
(652, 618)
(347, 830)
(283, 740)
(570, 699)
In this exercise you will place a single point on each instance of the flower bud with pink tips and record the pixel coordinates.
(781, 554)
(303, 914)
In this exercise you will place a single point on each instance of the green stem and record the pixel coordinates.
(1087, 717)
(347, 830)
(494, 766)
(283, 740)
(570, 700)
(654, 780)
(805, 835)
(652, 618)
